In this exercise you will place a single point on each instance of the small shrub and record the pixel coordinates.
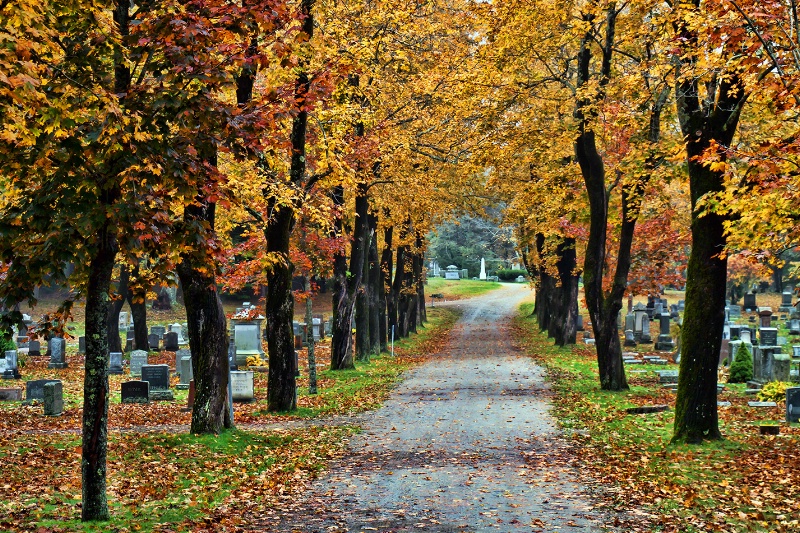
(742, 366)
(508, 274)
(255, 360)
(6, 344)
(774, 391)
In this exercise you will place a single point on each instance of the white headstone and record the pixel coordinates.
(483, 269)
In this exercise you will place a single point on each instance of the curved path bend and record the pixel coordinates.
(464, 444)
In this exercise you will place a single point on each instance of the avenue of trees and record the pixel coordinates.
(231, 144)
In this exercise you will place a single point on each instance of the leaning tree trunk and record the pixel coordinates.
(208, 331)
(704, 122)
(114, 342)
(95, 379)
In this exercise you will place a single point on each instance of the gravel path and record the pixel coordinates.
(465, 443)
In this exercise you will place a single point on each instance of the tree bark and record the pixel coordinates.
(362, 240)
(282, 377)
(341, 336)
(95, 384)
(136, 299)
(114, 341)
(374, 286)
(208, 334)
(387, 305)
(422, 313)
(703, 122)
(312, 359)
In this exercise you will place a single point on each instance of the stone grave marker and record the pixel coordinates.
(579, 323)
(138, 358)
(735, 311)
(794, 326)
(34, 389)
(736, 332)
(762, 404)
(786, 302)
(186, 371)
(750, 302)
(768, 336)
(154, 342)
(11, 367)
(135, 392)
(158, 330)
(34, 348)
(183, 352)
(667, 376)
(793, 404)
(115, 363)
(796, 351)
(231, 356)
(57, 346)
(765, 317)
(665, 342)
(81, 344)
(629, 338)
(10, 394)
(171, 341)
(53, 398)
(646, 330)
(781, 363)
(158, 378)
(22, 341)
(247, 336)
(242, 386)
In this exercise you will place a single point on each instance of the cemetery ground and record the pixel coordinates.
(163, 479)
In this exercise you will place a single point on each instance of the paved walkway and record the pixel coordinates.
(465, 443)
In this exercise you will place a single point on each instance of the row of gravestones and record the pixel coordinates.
(172, 337)
(637, 325)
(152, 387)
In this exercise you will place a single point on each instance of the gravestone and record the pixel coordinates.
(11, 370)
(765, 316)
(630, 322)
(171, 341)
(22, 341)
(138, 359)
(768, 336)
(724, 352)
(681, 305)
(81, 344)
(154, 342)
(750, 302)
(316, 324)
(247, 335)
(746, 335)
(786, 302)
(793, 404)
(780, 366)
(665, 342)
(735, 331)
(186, 371)
(158, 378)
(762, 404)
(579, 323)
(34, 348)
(10, 394)
(667, 376)
(242, 386)
(183, 352)
(115, 363)
(231, 356)
(34, 389)
(123, 319)
(629, 339)
(796, 351)
(639, 312)
(645, 338)
(158, 330)
(129, 345)
(794, 326)
(319, 319)
(57, 347)
(735, 311)
(296, 329)
(135, 392)
(53, 398)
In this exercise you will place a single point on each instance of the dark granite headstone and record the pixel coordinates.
(34, 389)
(171, 341)
(53, 398)
(115, 363)
(154, 341)
(135, 392)
(750, 302)
(768, 336)
(157, 376)
(57, 348)
(793, 404)
(34, 348)
(81, 344)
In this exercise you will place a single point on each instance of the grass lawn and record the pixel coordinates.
(160, 478)
(746, 482)
(452, 289)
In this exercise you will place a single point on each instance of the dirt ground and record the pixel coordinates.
(465, 443)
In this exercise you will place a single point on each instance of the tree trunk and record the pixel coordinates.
(386, 304)
(422, 313)
(114, 342)
(139, 315)
(208, 332)
(95, 382)
(362, 240)
(706, 121)
(374, 286)
(282, 378)
(312, 360)
(341, 336)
